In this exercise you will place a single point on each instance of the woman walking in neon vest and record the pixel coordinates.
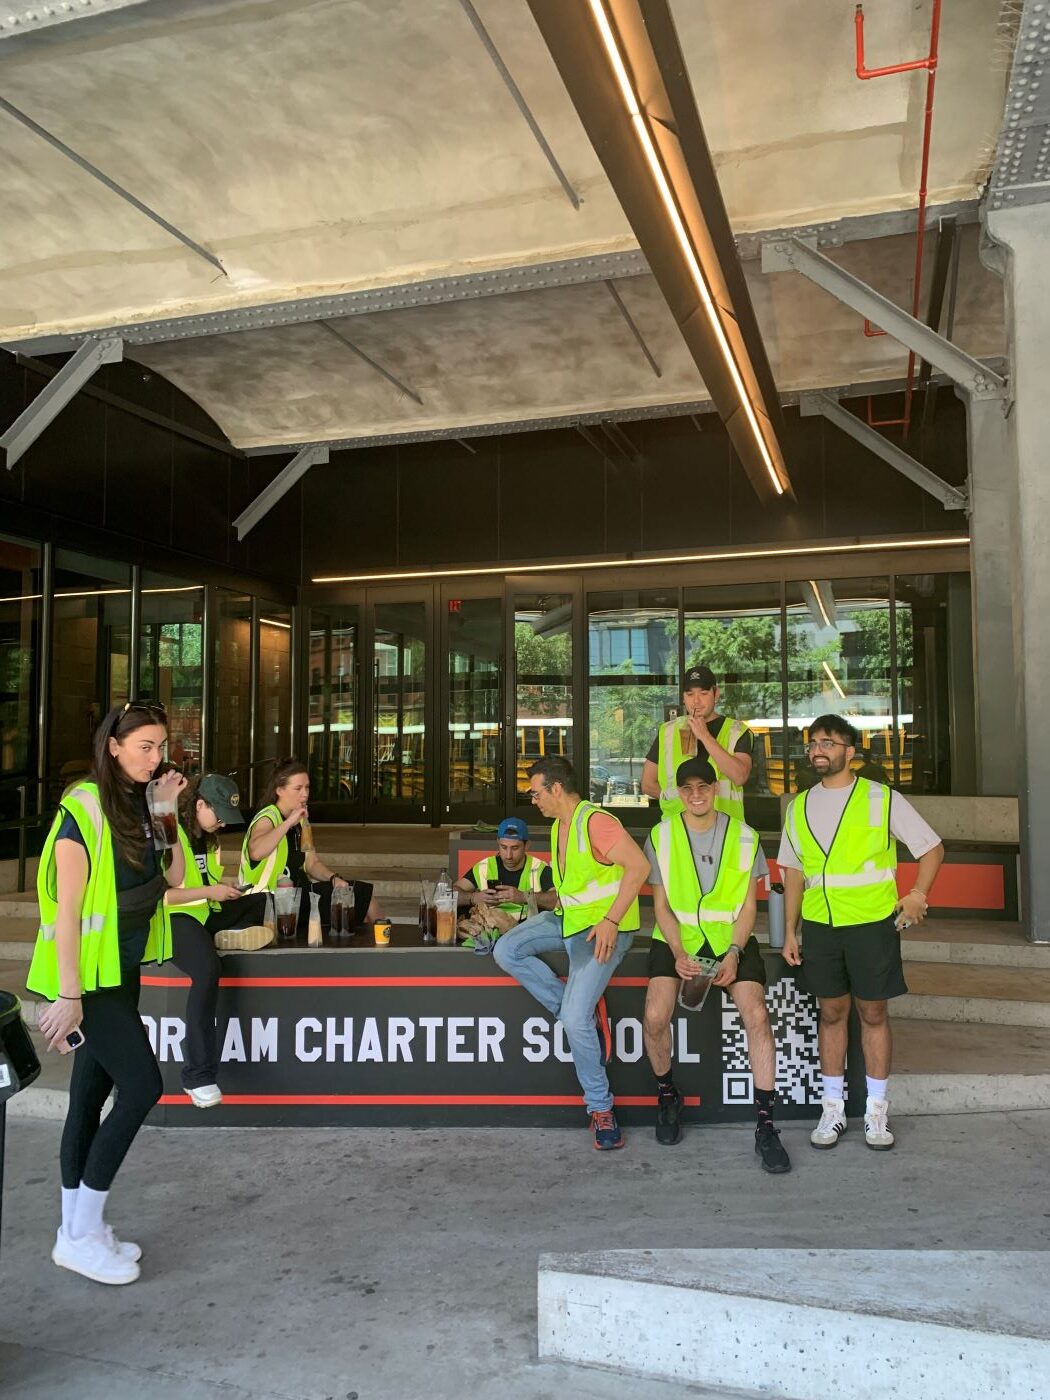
(101, 889)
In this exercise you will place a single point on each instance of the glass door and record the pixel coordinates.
(400, 752)
(471, 704)
(543, 683)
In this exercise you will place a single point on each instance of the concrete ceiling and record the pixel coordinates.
(333, 147)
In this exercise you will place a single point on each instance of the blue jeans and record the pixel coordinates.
(571, 1002)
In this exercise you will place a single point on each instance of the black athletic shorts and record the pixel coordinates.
(751, 967)
(859, 959)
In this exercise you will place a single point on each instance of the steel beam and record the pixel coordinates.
(53, 398)
(522, 106)
(632, 327)
(950, 497)
(96, 174)
(314, 454)
(372, 364)
(24, 16)
(793, 255)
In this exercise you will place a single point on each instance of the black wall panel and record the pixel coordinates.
(139, 479)
(447, 504)
(65, 469)
(552, 496)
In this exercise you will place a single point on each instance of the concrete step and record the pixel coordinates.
(1003, 996)
(757, 1322)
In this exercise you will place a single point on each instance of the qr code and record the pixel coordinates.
(793, 1016)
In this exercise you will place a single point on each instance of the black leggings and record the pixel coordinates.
(193, 952)
(116, 1054)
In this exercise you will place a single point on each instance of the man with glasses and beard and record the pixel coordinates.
(838, 855)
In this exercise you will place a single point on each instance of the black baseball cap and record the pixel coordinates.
(222, 796)
(699, 678)
(699, 768)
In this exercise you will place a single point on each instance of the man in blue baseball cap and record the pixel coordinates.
(506, 879)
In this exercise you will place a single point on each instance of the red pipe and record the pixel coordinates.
(930, 65)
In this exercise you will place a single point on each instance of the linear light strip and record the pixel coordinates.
(834, 680)
(820, 602)
(645, 140)
(99, 593)
(795, 551)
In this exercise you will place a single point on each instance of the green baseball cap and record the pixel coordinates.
(223, 797)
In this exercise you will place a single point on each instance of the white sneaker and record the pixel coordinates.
(125, 1248)
(832, 1123)
(94, 1257)
(244, 940)
(876, 1129)
(206, 1096)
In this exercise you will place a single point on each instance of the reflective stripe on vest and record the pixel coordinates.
(854, 882)
(704, 917)
(729, 798)
(192, 879)
(586, 888)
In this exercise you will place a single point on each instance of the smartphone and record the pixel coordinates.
(75, 1039)
(243, 889)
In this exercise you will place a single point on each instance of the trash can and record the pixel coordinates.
(19, 1066)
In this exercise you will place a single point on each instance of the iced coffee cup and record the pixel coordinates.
(164, 817)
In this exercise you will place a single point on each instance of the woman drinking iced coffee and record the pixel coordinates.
(279, 843)
(101, 885)
(217, 917)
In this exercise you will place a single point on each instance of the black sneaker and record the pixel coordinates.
(768, 1147)
(668, 1117)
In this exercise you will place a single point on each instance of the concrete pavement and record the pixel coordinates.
(388, 1264)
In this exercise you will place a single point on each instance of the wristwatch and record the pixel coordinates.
(733, 948)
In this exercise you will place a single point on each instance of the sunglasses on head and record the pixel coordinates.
(149, 707)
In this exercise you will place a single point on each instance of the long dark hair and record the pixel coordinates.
(120, 798)
(188, 815)
(279, 777)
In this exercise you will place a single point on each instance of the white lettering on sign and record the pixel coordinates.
(534, 1033)
(264, 1039)
(335, 1040)
(370, 1048)
(561, 1044)
(628, 1040)
(307, 1024)
(491, 1031)
(680, 1037)
(172, 1031)
(233, 1044)
(400, 1031)
(430, 1024)
(458, 1054)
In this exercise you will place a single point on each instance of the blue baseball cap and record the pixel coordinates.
(513, 828)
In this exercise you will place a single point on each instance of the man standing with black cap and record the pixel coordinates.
(701, 730)
(702, 867)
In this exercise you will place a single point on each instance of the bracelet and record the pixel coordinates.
(734, 948)
(606, 920)
(79, 997)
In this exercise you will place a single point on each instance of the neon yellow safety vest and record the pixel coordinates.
(730, 798)
(702, 916)
(201, 908)
(586, 888)
(99, 926)
(855, 882)
(264, 874)
(486, 872)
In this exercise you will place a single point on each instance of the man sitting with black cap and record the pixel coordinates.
(700, 730)
(702, 866)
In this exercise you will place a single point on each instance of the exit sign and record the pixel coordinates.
(455, 605)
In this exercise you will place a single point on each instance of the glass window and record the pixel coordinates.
(90, 654)
(332, 704)
(735, 630)
(475, 669)
(171, 661)
(839, 662)
(399, 726)
(231, 750)
(275, 687)
(20, 606)
(542, 681)
(923, 747)
(632, 640)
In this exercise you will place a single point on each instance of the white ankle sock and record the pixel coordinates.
(87, 1219)
(834, 1086)
(877, 1088)
(69, 1206)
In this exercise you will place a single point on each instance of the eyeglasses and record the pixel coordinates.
(535, 796)
(824, 745)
